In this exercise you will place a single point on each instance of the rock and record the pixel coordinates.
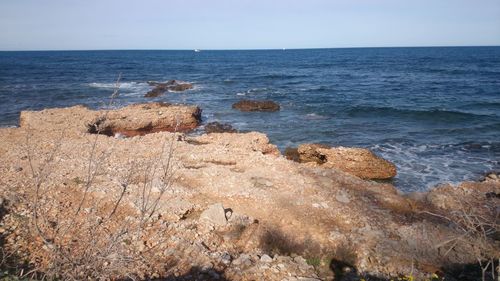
(342, 197)
(156, 92)
(243, 260)
(161, 87)
(226, 258)
(254, 105)
(310, 153)
(266, 259)
(215, 214)
(300, 260)
(181, 87)
(356, 161)
(292, 153)
(141, 119)
(216, 127)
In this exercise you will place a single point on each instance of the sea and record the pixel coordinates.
(434, 112)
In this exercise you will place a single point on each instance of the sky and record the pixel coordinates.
(245, 24)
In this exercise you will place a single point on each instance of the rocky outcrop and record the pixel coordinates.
(216, 127)
(148, 118)
(280, 211)
(356, 161)
(255, 105)
(133, 120)
(161, 87)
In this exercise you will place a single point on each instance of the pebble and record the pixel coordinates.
(226, 258)
(266, 259)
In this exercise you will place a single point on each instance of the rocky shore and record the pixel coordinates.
(156, 202)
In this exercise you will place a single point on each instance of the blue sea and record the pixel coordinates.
(434, 112)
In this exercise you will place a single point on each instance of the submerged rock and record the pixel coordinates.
(356, 161)
(255, 105)
(216, 127)
(161, 87)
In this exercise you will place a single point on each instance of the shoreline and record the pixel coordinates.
(479, 176)
(234, 200)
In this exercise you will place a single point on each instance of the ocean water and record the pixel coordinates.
(434, 112)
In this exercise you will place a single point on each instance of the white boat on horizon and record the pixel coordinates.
(197, 50)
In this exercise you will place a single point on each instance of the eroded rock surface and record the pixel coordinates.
(282, 212)
(356, 161)
(133, 120)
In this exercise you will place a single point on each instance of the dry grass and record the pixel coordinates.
(477, 225)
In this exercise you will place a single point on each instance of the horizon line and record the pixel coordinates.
(254, 49)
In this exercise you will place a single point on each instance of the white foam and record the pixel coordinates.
(122, 85)
(257, 90)
(315, 116)
(425, 166)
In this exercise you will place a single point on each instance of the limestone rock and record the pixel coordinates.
(356, 161)
(141, 119)
(266, 258)
(215, 214)
(255, 105)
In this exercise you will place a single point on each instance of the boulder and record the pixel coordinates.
(216, 127)
(356, 161)
(161, 87)
(255, 105)
(141, 119)
(215, 214)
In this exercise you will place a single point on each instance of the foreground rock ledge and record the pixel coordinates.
(273, 211)
(129, 121)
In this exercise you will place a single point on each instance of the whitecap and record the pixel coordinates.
(122, 85)
(314, 116)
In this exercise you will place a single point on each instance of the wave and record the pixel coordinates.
(431, 114)
(482, 105)
(315, 116)
(123, 85)
(273, 76)
(423, 166)
(487, 127)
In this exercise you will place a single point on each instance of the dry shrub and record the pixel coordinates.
(477, 224)
(77, 233)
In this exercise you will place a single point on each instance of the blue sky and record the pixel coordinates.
(245, 24)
